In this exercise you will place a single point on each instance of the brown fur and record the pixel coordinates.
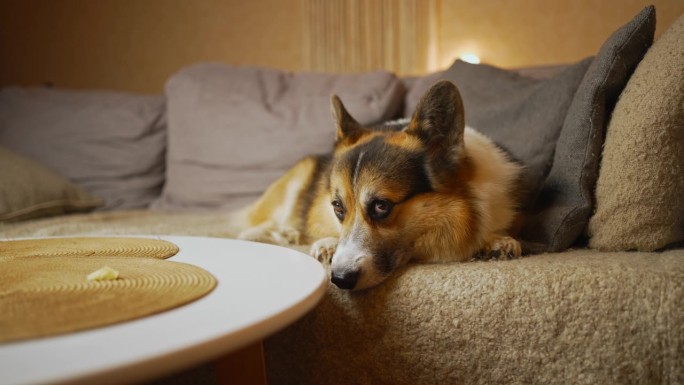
(435, 191)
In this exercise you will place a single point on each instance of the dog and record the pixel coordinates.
(428, 190)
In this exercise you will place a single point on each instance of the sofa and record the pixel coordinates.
(598, 297)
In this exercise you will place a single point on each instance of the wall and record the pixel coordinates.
(538, 32)
(135, 45)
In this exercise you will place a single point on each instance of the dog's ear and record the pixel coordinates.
(348, 129)
(439, 122)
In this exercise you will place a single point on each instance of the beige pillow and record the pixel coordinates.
(640, 189)
(29, 190)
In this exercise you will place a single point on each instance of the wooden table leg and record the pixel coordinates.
(245, 366)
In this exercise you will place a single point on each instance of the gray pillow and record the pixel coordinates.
(521, 114)
(235, 130)
(28, 190)
(554, 126)
(566, 201)
(111, 144)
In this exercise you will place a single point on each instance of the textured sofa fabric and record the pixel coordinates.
(639, 191)
(580, 317)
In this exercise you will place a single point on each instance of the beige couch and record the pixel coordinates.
(584, 307)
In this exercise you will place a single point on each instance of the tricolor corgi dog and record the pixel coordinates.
(430, 190)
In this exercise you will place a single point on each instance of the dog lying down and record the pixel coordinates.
(430, 190)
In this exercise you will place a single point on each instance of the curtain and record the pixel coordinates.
(366, 35)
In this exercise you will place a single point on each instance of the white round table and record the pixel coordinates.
(261, 289)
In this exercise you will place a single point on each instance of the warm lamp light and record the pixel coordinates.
(470, 58)
(467, 51)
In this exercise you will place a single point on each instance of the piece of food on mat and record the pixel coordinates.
(104, 274)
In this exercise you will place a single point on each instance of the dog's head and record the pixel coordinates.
(387, 186)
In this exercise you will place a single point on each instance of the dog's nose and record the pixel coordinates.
(345, 280)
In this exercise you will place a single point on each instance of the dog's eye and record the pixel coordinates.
(380, 209)
(339, 210)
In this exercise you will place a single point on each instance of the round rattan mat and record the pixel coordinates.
(87, 246)
(48, 295)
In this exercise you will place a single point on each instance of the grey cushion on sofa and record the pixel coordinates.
(566, 201)
(234, 130)
(522, 114)
(554, 126)
(111, 144)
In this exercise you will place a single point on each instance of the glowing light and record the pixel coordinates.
(470, 58)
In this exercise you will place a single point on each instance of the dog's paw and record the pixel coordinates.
(285, 236)
(290, 235)
(323, 249)
(256, 234)
(500, 248)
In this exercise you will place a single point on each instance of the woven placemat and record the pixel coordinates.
(87, 246)
(43, 296)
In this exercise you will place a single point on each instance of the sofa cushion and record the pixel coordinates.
(521, 114)
(562, 211)
(235, 130)
(111, 144)
(29, 190)
(639, 190)
(577, 317)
